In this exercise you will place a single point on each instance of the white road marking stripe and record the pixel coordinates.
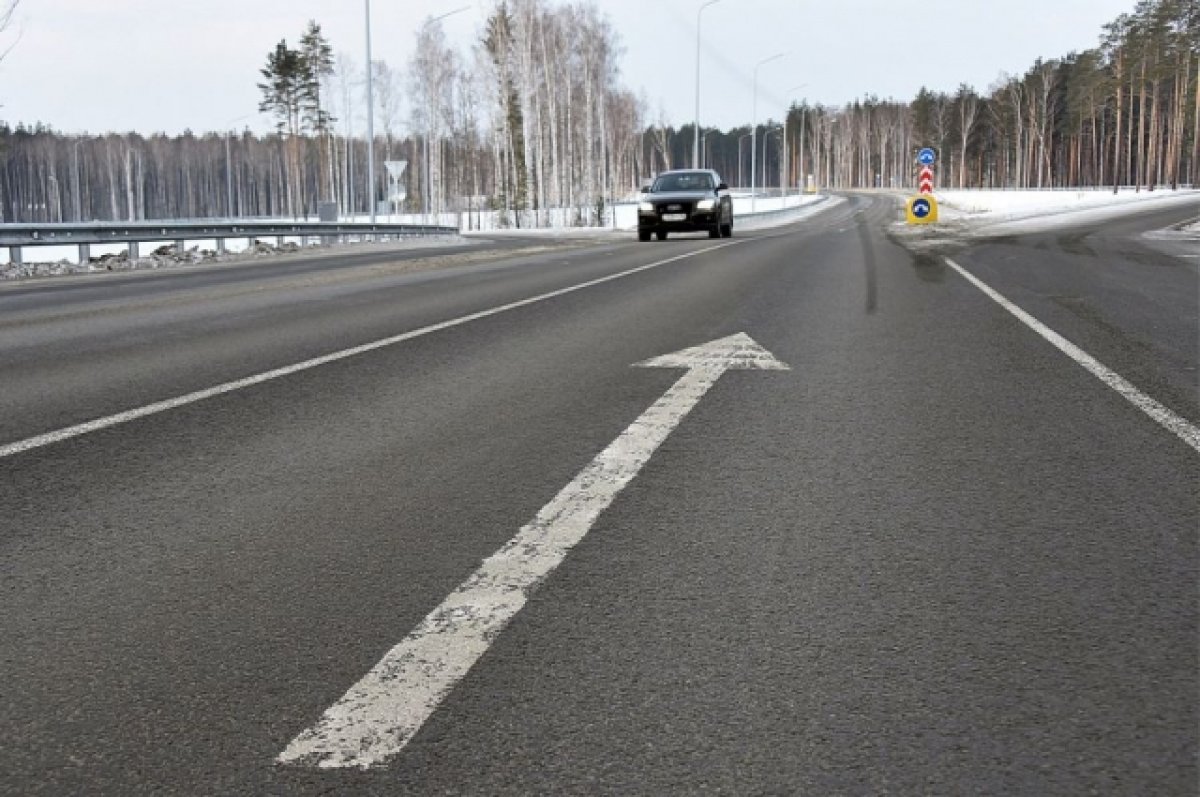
(378, 716)
(1181, 428)
(59, 435)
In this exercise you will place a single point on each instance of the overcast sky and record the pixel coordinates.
(168, 65)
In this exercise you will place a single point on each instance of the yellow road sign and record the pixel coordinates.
(922, 210)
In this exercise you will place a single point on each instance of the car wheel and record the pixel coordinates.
(715, 231)
(727, 230)
(643, 235)
(660, 235)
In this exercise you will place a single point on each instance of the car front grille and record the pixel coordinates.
(674, 207)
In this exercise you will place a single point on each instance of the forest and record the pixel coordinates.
(536, 117)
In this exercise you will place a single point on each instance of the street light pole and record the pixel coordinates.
(766, 133)
(800, 165)
(754, 125)
(228, 175)
(57, 198)
(78, 203)
(696, 142)
(786, 165)
(787, 113)
(370, 121)
(741, 182)
(428, 192)
(828, 175)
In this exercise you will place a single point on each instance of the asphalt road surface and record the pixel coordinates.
(935, 555)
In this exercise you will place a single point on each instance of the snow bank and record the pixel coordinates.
(778, 211)
(996, 212)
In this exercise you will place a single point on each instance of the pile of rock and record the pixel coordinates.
(264, 248)
(165, 256)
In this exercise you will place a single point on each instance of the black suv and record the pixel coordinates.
(687, 200)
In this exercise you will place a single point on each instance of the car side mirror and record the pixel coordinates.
(723, 187)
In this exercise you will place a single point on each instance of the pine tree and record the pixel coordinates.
(316, 64)
(283, 91)
(316, 56)
(283, 96)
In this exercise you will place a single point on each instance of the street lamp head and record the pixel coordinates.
(696, 136)
(769, 59)
(440, 17)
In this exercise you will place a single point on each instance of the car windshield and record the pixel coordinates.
(687, 181)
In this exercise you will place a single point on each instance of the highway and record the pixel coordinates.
(800, 512)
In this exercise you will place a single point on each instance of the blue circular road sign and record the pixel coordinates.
(921, 208)
(926, 157)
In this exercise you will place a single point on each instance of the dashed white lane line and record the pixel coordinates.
(9, 449)
(378, 715)
(1178, 426)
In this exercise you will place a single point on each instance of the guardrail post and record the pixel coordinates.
(85, 254)
(14, 255)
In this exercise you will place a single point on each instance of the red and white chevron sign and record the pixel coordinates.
(925, 181)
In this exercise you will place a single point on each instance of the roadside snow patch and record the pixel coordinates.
(1008, 212)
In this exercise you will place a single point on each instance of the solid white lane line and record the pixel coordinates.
(379, 715)
(8, 449)
(1178, 426)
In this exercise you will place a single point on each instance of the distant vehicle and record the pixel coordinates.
(685, 200)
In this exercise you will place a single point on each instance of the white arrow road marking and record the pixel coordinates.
(384, 710)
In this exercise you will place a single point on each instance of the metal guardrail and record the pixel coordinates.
(16, 236)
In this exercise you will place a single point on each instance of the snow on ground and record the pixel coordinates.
(778, 211)
(988, 212)
(53, 261)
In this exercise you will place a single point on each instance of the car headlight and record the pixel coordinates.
(646, 207)
(706, 204)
